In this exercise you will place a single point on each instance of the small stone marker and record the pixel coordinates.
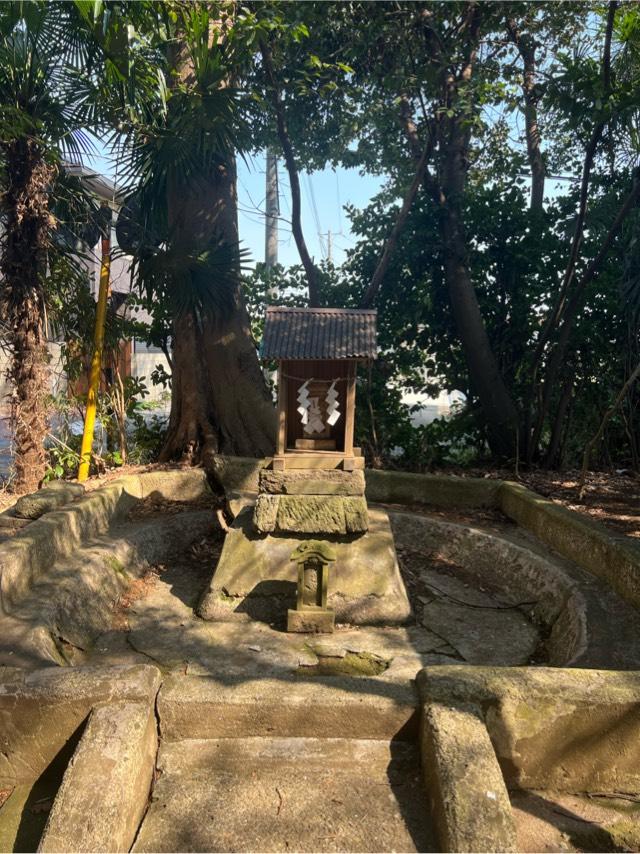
(311, 613)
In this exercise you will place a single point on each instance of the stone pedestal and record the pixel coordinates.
(311, 502)
(256, 575)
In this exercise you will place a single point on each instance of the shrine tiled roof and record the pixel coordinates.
(319, 333)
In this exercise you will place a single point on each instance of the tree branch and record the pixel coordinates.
(558, 311)
(410, 130)
(285, 142)
(629, 203)
(392, 240)
(584, 194)
(526, 46)
(572, 307)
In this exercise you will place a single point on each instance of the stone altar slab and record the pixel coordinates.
(256, 578)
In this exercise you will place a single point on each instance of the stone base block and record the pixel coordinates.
(469, 800)
(256, 578)
(310, 514)
(319, 620)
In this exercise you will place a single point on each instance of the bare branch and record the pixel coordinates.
(589, 158)
(526, 45)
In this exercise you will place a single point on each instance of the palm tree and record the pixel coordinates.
(42, 47)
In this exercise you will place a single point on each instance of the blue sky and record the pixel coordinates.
(324, 195)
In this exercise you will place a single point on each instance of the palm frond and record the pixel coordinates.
(202, 281)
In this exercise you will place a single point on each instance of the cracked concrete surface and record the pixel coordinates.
(162, 627)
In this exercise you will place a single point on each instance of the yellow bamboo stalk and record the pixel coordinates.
(96, 361)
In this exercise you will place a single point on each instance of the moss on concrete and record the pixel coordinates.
(392, 487)
(351, 664)
(624, 834)
(111, 562)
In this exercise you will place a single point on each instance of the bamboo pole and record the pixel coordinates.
(98, 343)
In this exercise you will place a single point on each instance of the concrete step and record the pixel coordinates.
(287, 794)
(191, 707)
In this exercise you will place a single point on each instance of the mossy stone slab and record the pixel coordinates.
(50, 498)
(310, 514)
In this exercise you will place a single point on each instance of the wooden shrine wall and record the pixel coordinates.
(296, 373)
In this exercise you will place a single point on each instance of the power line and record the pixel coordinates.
(314, 211)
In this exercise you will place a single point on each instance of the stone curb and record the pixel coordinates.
(582, 540)
(240, 476)
(40, 710)
(391, 487)
(537, 728)
(469, 802)
(34, 550)
(105, 790)
(52, 496)
(551, 728)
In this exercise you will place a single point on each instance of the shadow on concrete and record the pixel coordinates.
(404, 773)
(43, 792)
(581, 833)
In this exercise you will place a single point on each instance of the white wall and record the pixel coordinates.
(142, 365)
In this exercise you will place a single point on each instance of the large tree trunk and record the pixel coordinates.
(446, 187)
(26, 205)
(486, 380)
(219, 401)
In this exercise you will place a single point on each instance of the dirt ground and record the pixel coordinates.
(613, 499)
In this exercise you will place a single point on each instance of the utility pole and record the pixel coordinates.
(329, 244)
(271, 218)
(272, 205)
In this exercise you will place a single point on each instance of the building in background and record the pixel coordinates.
(136, 357)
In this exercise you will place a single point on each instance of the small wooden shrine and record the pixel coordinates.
(317, 351)
(309, 550)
